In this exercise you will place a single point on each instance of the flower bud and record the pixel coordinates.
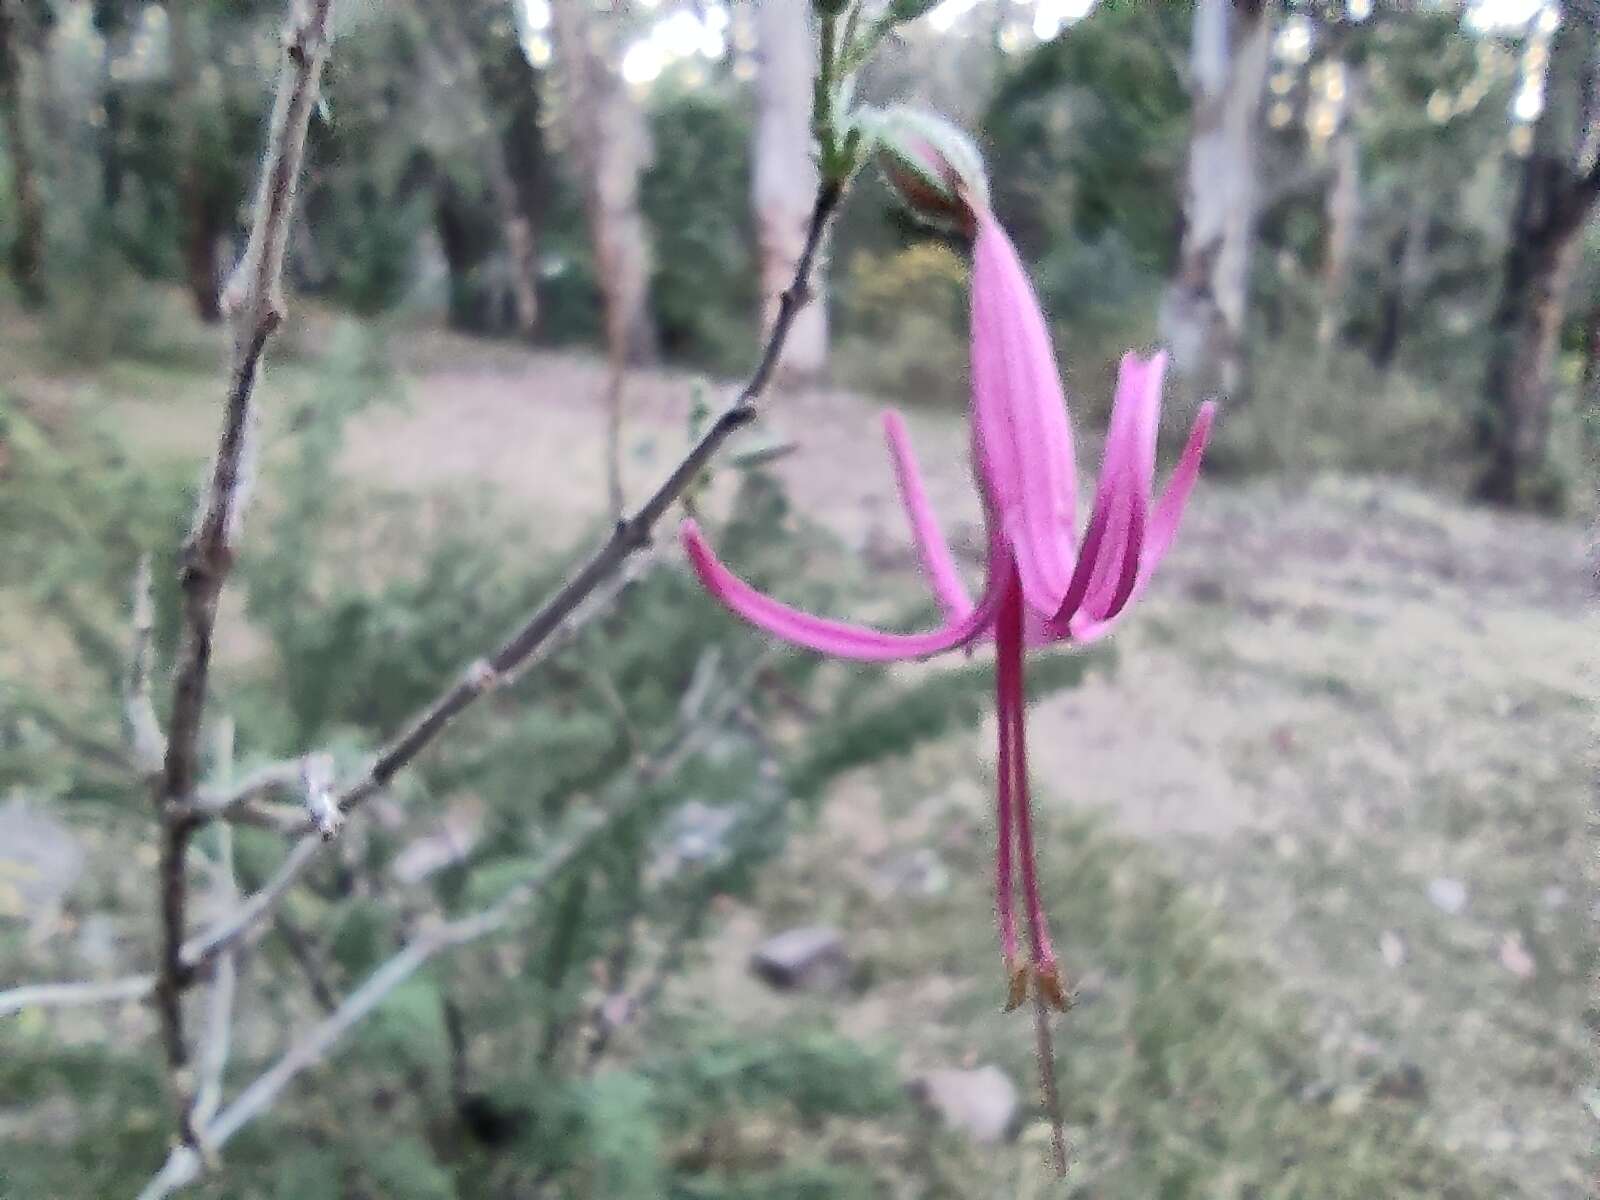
(932, 165)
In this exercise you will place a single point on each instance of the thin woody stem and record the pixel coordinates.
(254, 308)
(564, 611)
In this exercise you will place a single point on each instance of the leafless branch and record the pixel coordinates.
(185, 1163)
(566, 610)
(70, 995)
(254, 307)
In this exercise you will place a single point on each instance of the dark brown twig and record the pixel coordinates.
(185, 1161)
(253, 304)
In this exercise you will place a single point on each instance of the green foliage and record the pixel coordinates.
(1087, 132)
(904, 317)
(1337, 412)
(99, 310)
(695, 196)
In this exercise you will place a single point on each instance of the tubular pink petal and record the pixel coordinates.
(1106, 538)
(1169, 509)
(1139, 392)
(1163, 526)
(1126, 467)
(1021, 435)
(932, 548)
(818, 633)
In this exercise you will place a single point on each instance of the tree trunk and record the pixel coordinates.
(110, 25)
(785, 176)
(1203, 312)
(455, 221)
(1343, 215)
(463, 28)
(26, 253)
(202, 226)
(611, 146)
(1408, 254)
(1557, 191)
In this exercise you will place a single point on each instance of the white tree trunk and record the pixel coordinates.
(1203, 314)
(611, 146)
(785, 176)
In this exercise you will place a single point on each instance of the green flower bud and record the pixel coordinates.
(934, 167)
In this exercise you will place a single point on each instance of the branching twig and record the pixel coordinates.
(69, 995)
(562, 614)
(184, 1163)
(561, 611)
(254, 307)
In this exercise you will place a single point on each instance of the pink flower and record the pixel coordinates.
(1043, 583)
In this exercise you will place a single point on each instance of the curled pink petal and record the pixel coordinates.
(932, 548)
(1163, 526)
(1169, 509)
(825, 636)
(1139, 390)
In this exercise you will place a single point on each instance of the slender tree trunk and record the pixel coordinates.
(26, 252)
(611, 146)
(1203, 313)
(1559, 187)
(785, 176)
(1343, 215)
(1408, 251)
(460, 24)
(460, 223)
(202, 224)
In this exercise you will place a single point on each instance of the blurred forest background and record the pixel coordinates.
(1314, 825)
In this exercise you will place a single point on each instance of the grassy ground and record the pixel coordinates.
(1340, 694)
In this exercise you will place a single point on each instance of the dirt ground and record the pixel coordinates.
(1353, 716)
